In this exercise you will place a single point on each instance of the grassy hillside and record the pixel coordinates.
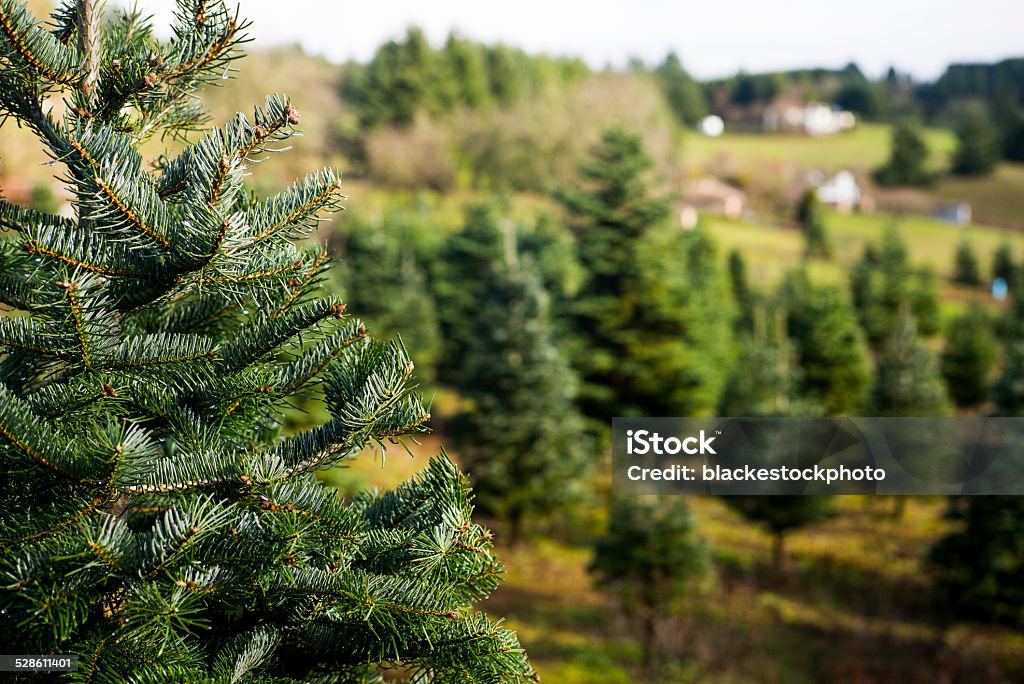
(997, 199)
(863, 148)
(772, 250)
(752, 158)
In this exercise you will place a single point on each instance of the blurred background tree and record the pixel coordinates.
(968, 358)
(520, 438)
(979, 567)
(780, 515)
(652, 312)
(651, 558)
(811, 218)
(908, 157)
(907, 378)
(966, 269)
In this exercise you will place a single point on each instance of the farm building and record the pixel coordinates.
(712, 196)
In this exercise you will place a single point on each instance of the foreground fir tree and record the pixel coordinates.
(153, 521)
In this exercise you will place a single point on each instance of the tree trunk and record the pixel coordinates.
(515, 528)
(649, 637)
(779, 551)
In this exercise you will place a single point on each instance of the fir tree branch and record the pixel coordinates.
(133, 217)
(35, 247)
(87, 47)
(298, 207)
(300, 285)
(25, 41)
(77, 314)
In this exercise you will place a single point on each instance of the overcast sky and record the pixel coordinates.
(713, 37)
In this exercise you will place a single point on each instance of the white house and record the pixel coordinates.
(841, 192)
(813, 118)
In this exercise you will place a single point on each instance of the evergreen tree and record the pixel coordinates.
(399, 81)
(651, 559)
(153, 519)
(742, 295)
(466, 262)
(1003, 265)
(738, 276)
(883, 283)
(1008, 390)
(811, 217)
(907, 379)
(781, 514)
(653, 310)
(382, 278)
(968, 358)
(464, 265)
(765, 377)
(908, 159)
(923, 300)
(508, 72)
(977, 151)
(42, 199)
(830, 347)
(966, 270)
(467, 65)
(522, 440)
(1013, 139)
(684, 95)
(979, 567)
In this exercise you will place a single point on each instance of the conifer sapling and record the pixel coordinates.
(154, 521)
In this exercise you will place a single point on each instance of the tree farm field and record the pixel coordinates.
(853, 586)
(771, 250)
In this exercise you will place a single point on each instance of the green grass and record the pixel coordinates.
(755, 158)
(852, 605)
(997, 199)
(863, 148)
(770, 251)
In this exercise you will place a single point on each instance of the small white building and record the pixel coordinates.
(813, 118)
(841, 192)
(957, 213)
(712, 196)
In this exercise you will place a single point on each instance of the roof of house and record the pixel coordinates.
(711, 190)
